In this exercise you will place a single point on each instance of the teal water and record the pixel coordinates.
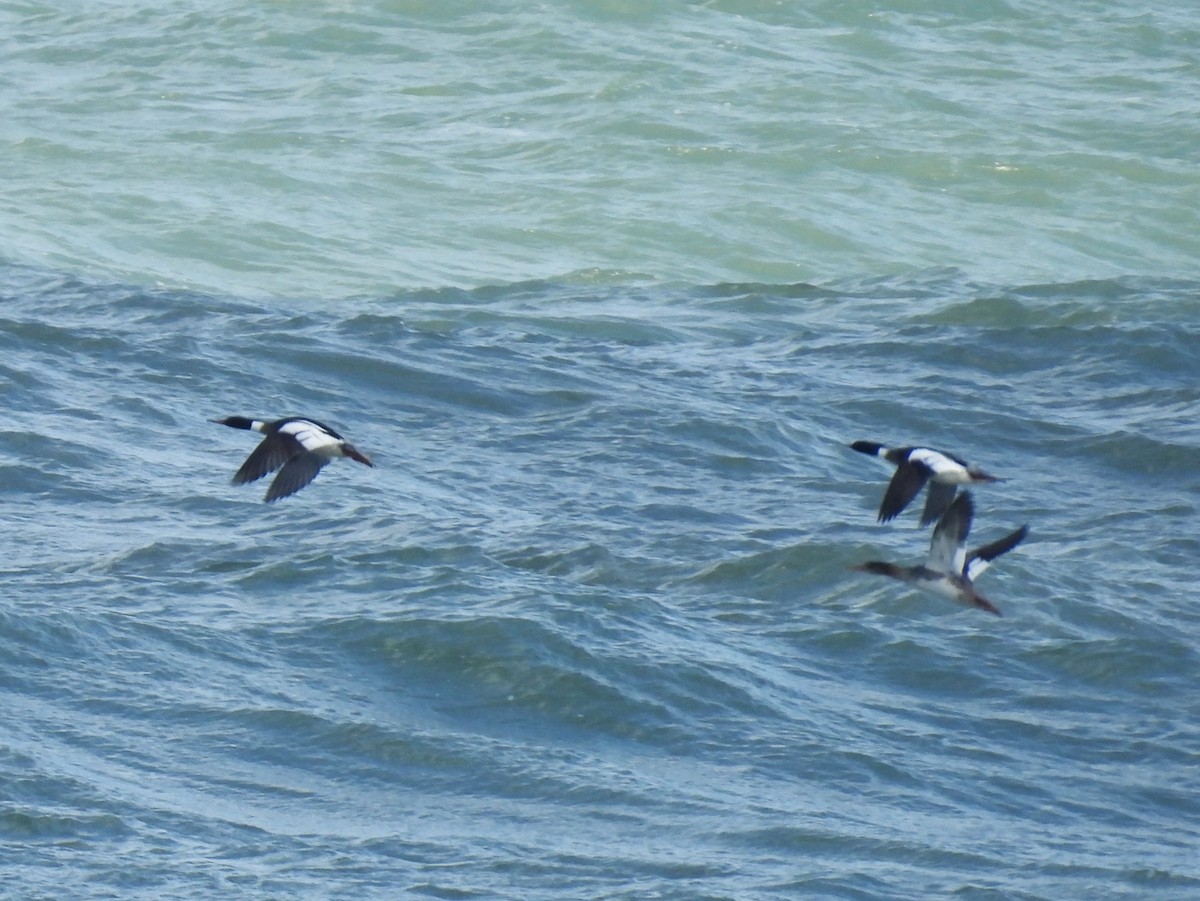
(328, 149)
(605, 290)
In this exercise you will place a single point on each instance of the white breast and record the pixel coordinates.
(944, 588)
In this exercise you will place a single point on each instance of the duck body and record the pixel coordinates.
(951, 586)
(298, 447)
(915, 468)
(950, 571)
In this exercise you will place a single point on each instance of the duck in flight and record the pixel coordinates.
(949, 571)
(301, 446)
(915, 467)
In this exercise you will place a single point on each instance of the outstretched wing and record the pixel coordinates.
(298, 472)
(910, 477)
(937, 461)
(981, 558)
(937, 501)
(311, 435)
(271, 453)
(946, 549)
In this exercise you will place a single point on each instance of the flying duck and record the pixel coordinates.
(915, 466)
(950, 571)
(301, 446)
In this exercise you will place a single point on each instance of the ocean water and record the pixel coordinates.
(605, 290)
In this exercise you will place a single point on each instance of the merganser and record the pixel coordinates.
(301, 446)
(914, 467)
(949, 571)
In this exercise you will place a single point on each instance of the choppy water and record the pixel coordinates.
(605, 290)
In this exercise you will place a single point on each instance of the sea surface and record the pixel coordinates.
(605, 289)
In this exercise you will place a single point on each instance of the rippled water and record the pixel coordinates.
(605, 290)
(588, 629)
(328, 149)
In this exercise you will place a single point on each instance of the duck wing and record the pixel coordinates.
(906, 484)
(981, 558)
(937, 502)
(311, 435)
(947, 553)
(272, 452)
(298, 472)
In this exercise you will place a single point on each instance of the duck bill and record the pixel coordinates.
(878, 568)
